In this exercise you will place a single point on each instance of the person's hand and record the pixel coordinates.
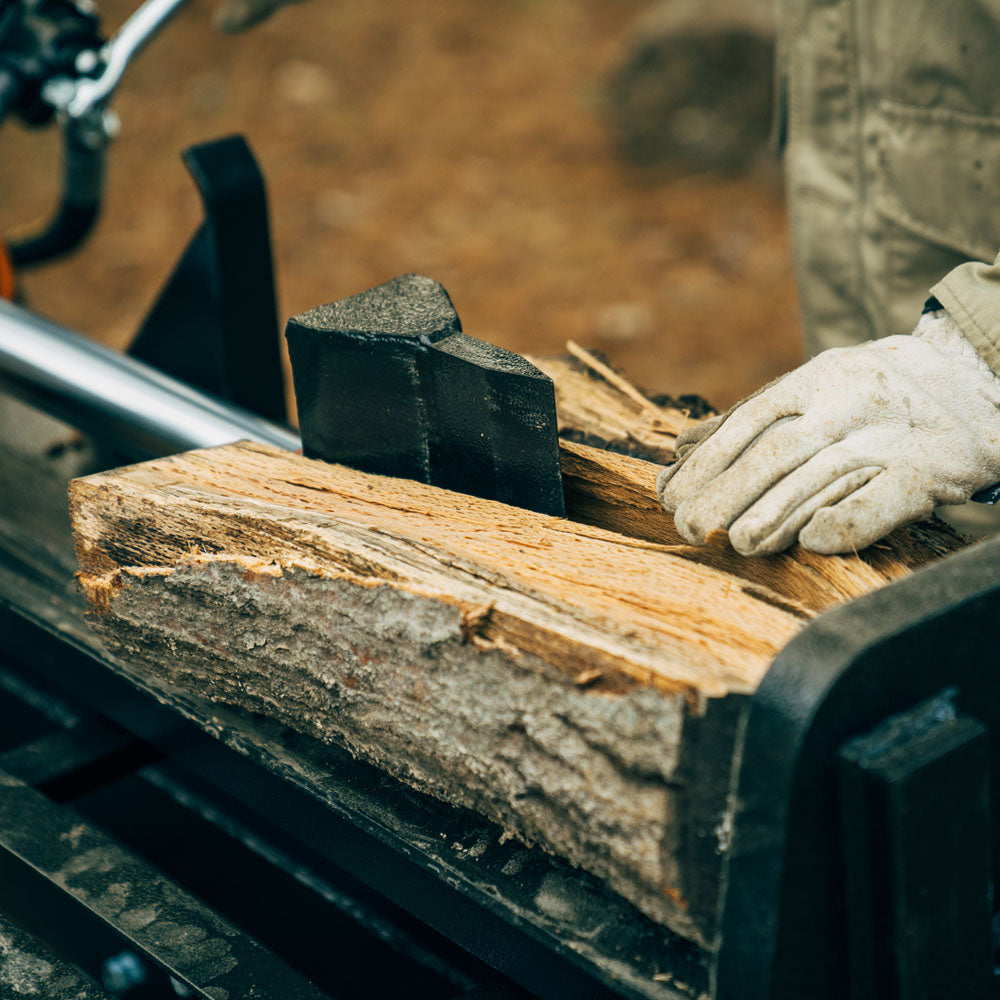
(238, 15)
(842, 450)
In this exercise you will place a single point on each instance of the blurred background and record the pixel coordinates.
(586, 169)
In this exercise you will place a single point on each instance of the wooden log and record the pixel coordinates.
(619, 493)
(583, 686)
(597, 405)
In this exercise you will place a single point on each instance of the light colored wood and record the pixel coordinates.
(619, 492)
(588, 404)
(549, 675)
(581, 597)
(649, 593)
(590, 361)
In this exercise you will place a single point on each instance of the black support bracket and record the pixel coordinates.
(863, 849)
(387, 382)
(215, 323)
(914, 822)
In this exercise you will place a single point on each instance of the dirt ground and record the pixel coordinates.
(463, 141)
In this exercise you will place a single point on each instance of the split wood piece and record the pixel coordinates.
(598, 405)
(582, 688)
(619, 493)
(582, 596)
(599, 410)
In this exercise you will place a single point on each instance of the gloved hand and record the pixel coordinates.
(237, 15)
(842, 450)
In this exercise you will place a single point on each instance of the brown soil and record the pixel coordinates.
(462, 141)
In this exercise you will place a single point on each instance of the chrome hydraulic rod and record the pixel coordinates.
(116, 399)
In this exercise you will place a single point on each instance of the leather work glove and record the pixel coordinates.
(842, 450)
(238, 15)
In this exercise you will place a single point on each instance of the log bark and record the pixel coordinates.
(581, 684)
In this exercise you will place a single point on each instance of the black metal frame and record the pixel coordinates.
(862, 844)
(215, 322)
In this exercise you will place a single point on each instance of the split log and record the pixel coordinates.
(598, 406)
(619, 492)
(581, 684)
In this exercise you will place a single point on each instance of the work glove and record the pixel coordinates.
(842, 450)
(237, 15)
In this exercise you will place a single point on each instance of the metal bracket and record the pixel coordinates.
(215, 323)
(862, 851)
(914, 820)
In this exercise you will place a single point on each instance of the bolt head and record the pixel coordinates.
(112, 124)
(86, 61)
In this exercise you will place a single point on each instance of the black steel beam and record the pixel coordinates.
(28, 968)
(86, 897)
(787, 916)
(66, 762)
(917, 852)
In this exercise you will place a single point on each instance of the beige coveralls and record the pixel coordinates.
(891, 112)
